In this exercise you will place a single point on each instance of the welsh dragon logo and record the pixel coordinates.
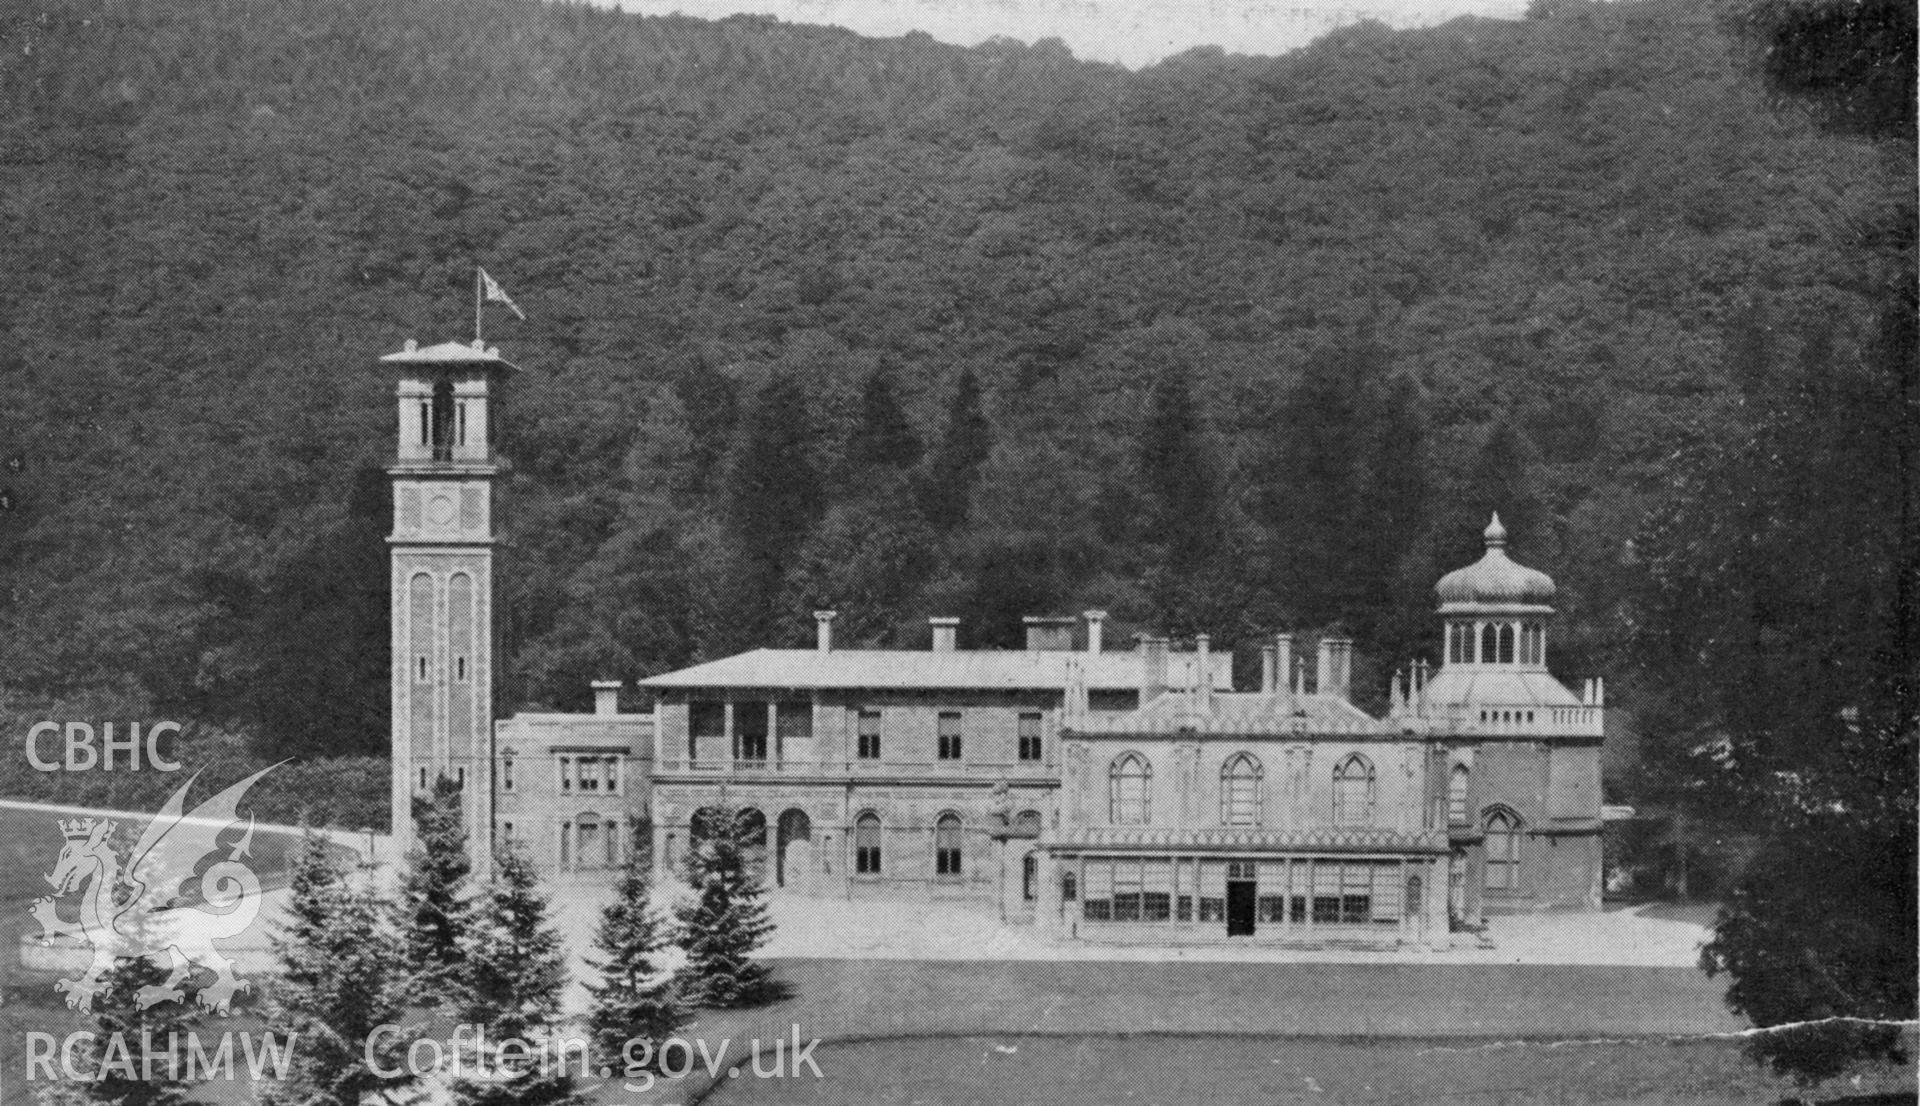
(142, 910)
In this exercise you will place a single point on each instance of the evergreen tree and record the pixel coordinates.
(433, 914)
(947, 490)
(634, 999)
(773, 498)
(723, 924)
(883, 438)
(516, 973)
(120, 1029)
(1177, 469)
(340, 980)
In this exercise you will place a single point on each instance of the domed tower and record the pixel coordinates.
(1521, 752)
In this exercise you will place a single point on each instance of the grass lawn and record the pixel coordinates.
(1180, 1071)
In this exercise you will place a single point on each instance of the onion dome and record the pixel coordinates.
(1494, 581)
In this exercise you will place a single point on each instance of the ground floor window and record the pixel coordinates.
(1302, 891)
(866, 845)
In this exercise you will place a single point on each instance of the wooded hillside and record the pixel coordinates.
(1229, 344)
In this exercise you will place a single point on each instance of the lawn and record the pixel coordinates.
(1181, 1071)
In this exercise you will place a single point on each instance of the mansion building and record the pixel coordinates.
(1128, 795)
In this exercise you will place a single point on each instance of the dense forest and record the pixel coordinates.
(1230, 344)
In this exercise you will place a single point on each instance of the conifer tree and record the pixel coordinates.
(634, 1000)
(720, 928)
(883, 437)
(340, 980)
(121, 1028)
(954, 468)
(433, 914)
(516, 973)
(773, 497)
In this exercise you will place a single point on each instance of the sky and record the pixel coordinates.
(1131, 32)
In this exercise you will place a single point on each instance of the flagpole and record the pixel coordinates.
(476, 305)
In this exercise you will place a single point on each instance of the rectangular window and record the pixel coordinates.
(1029, 876)
(589, 773)
(460, 669)
(566, 773)
(869, 733)
(506, 773)
(612, 765)
(1104, 698)
(1272, 908)
(1030, 736)
(420, 668)
(506, 830)
(1069, 886)
(949, 735)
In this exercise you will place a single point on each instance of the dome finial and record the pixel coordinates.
(1495, 533)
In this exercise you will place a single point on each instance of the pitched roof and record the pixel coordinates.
(902, 669)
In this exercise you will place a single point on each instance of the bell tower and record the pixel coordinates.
(442, 580)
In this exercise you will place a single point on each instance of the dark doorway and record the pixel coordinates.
(1240, 899)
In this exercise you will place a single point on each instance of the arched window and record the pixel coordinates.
(1533, 641)
(1027, 821)
(1127, 791)
(1457, 796)
(1503, 851)
(1506, 644)
(1240, 791)
(946, 845)
(1029, 875)
(866, 844)
(1353, 792)
(1489, 643)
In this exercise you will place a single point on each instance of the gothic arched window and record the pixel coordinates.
(1457, 796)
(1127, 798)
(1503, 850)
(1240, 791)
(1353, 792)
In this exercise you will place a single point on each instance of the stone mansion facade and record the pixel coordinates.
(1126, 795)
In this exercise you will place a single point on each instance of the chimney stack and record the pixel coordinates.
(1048, 634)
(1336, 666)
(1202, 673)
(606, 697)
(1283, 663)
(1096, 623)
(1153, 668)
(946, 632)
(823, 622)
(1269, 670)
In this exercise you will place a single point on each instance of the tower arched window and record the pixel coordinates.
(1353, 792)
(1503, 850)
(1506, 643)
(1489, 643)
(1240, 791)
(947, 845)
(1127, 798)
(1457, 796)
(866, 844)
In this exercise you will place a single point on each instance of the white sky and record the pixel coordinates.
(1132, 32)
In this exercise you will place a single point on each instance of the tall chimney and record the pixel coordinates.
(1269, 670)
(606, 697)
(1153, 668)
(823, 625)
(946, 631)
(1048, 634)
(1202, 673)
(1336, 666)
(1283, 662)
(1096, 622)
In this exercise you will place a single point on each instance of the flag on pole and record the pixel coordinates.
(497, 294)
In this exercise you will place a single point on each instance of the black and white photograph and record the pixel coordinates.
(872, 553)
